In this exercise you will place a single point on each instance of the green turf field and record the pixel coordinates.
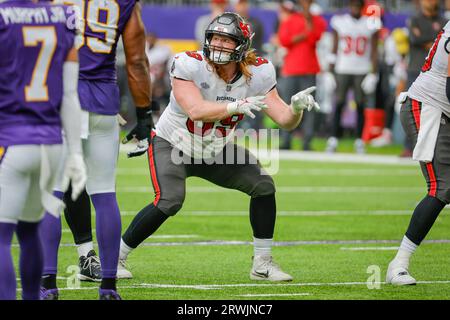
(335, 220)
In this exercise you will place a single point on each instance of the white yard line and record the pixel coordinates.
(349, 172)
(288, 189)
(276, 243)
(161, 236)
(292, 213)
(321, 157)
(281, 243)
(345, 158)
(244, 285)
(307, 213)
(369, 248)
(175, 236)
(273, 295)
(305, 172)
(58, 278)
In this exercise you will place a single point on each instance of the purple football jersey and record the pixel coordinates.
(35, 41)
(99, 97)
(101, 25)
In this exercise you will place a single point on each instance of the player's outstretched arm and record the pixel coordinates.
(75, 169)
(280, 112)
(138, 70)
(289, 116)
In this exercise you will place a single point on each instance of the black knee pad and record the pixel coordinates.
(444, 196)
(264, 187)
(170, 207)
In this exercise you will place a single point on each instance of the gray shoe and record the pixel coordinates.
(122, 270)
(399, 276)
(332, 144)
(264, 268)
(360, 147)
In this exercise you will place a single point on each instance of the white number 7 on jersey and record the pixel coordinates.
(37, 90)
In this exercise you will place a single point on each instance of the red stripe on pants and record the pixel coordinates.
(416, 113)
(416, 108)
(151, 161)
(433, 182)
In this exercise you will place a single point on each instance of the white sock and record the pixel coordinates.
(84, 248)
(407, 248)
(262, 247)
(124, 250)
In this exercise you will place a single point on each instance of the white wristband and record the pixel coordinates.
(232, 108)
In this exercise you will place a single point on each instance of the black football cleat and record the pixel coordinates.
(90, 269)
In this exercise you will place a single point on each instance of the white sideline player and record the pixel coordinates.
(353, 65)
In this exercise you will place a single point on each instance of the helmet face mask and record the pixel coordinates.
(220, 54)
(233, 26)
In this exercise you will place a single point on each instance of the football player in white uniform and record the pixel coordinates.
(425, 118)
(353, 65)
(212, 90)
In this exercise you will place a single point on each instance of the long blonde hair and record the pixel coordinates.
(244, 66)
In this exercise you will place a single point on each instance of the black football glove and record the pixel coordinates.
(141, 131)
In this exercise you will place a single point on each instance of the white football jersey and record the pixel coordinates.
(429, 87)
(354, 45)
(206, 139)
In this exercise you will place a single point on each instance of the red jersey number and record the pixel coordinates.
(355, 45)
(221, 131)
(227, 125)
(194, 55)
(203, 131)
(260, 61)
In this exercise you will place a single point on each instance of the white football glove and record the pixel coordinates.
(74, 172)
(329, 82)
(247, 105)
(121, 120)
(141, 148)
(399, 100)
(304, 100)
(369, 83)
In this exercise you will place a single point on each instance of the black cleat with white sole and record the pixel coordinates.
(90, 269)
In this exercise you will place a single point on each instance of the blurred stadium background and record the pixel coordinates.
(339, 220)
(404, 5)
(171, 27)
